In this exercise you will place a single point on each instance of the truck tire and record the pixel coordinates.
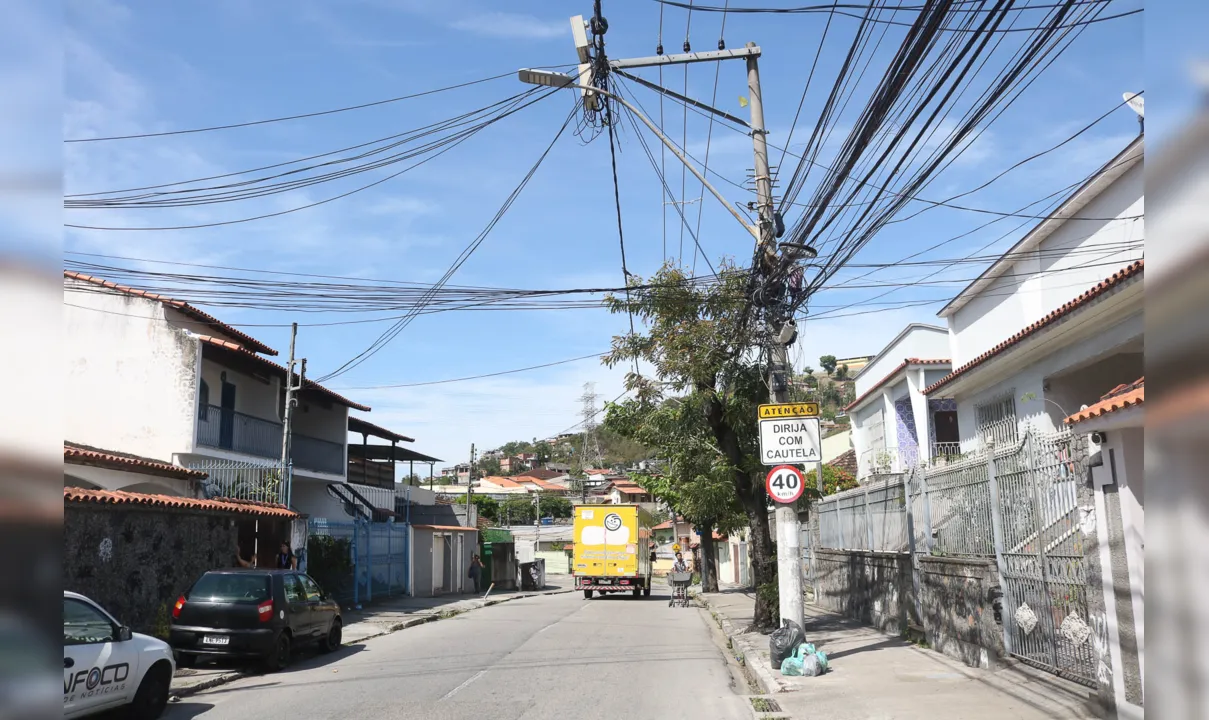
(637, 592)
(587, 594)
(646, 591)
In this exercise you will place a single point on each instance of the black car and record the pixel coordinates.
(253, 613)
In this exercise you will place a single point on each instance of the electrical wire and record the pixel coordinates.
(709, 133)
(473, 377)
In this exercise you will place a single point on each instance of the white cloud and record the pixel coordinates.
(512, 26)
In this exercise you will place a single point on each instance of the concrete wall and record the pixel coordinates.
(1061, 267)
(136, 562)
(956, 599)
(253, 397)
(130, 377)
(422, 562)
(836, 445)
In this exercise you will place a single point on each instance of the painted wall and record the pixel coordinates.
(920, 341)
(1038, 413)
(836, 445)
(129, 380)
(319, 419)
(1062, 266)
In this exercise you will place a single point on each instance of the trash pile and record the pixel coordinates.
(790, 652)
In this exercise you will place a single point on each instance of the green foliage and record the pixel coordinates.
(841, 372)
(162, 625)
(770, 594)
(834, 480)
(442, 480)
(827, 362)
(489, 466)
(329, 561)
(519, 510)
(488, 507)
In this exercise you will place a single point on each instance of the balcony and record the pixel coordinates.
(225, 429)
(886, 461)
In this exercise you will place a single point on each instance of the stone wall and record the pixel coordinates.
(872, 587)
(958, 599)
(135, 562)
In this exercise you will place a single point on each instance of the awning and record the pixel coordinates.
(389, 452)
(364, 427)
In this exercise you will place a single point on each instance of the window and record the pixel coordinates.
(313, 593)
(293, 590)
(996, 419)
(203, 401)
(84, 624)
(231, 587)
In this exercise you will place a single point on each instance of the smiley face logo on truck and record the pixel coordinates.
(612, 521)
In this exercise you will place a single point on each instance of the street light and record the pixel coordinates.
(547, 78)
(798, 251)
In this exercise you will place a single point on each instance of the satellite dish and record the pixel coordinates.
(1134, 100)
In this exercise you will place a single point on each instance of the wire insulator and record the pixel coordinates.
(659, 49)
(721, 44)
(687, 47)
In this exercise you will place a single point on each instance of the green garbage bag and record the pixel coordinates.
(792, 666)
(822, 658)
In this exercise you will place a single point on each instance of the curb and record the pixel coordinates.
(423, 620)
(762, 677)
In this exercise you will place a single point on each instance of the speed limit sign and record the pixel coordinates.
(784, 484)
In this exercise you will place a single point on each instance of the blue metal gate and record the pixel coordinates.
(358, 560)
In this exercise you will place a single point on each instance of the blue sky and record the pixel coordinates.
(150, 67)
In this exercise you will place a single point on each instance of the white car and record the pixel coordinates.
(105, 665)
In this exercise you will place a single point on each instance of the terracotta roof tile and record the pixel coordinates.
(903, 366)
(1119, 398)
(179, 305)
(540, 474)
(1132, 270)
(121, 497)
(846, 462)
(310, 384)
(77, 454)
(500, 482)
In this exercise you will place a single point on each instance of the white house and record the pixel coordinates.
(1055, 322)
(155, 377)
(893, 423)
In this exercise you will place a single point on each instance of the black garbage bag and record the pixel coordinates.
(784, 640)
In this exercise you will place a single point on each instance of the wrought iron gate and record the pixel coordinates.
(1042, 562)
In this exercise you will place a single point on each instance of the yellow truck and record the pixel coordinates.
(613, 550)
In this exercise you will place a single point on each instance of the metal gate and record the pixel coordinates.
(1042, 558)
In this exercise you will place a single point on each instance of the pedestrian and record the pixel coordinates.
(250, 563)
(679, 566)
(286, 560)
(476, 572)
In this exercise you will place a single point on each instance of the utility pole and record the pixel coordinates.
(780, 334)
(469, 482)
(287, 427)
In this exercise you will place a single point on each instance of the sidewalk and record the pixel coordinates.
(877, 676)
(382, 617)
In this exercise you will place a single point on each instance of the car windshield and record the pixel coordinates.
(231, 587)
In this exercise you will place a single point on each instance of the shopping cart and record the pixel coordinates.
(679, 582)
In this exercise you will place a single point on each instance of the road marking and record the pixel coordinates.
(469, 680)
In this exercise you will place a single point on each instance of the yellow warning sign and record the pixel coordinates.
(676, 547)
(789, 410)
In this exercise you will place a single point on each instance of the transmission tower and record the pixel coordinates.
(590, 451)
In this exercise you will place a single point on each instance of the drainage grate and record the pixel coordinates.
(765, 705)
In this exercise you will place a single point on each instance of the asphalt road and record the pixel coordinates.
(557, 656)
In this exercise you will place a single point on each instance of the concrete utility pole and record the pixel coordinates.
(287, 427)
(469, 482)
(789, 539)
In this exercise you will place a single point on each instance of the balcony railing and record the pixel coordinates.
(886, 461)
(242, 433)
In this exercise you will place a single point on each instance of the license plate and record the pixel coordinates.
(216, 640)
(606, 582)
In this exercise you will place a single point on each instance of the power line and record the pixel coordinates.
(473, 377)
(300, 116)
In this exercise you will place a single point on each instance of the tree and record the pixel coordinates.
(488, 507)
(698, 341)
(834, 480)
(695, 484)
(828, 363)
(841, 372)
(489, 466)
(444, 480)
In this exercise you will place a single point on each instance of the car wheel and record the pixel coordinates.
(279, 657)
(152, 696)
(331, 641)
(587, 594)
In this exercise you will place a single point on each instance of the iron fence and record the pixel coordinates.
(959, 508)
(872, 517)
(238, 480)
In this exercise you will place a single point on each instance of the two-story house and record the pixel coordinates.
(894, 425)
(1057, 321)
(156, 377)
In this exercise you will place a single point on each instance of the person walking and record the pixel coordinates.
(476, 573)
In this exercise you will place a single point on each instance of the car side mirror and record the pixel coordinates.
(124, 634)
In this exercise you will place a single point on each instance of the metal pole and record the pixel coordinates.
(1047, 619)
(469, 484)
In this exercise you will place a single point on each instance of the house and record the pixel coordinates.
(1056, 321)
(855, 364)
(155, 377)
(622, 490)
(459, 474)
(547, 474)
(95, 468)
(890, 406)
